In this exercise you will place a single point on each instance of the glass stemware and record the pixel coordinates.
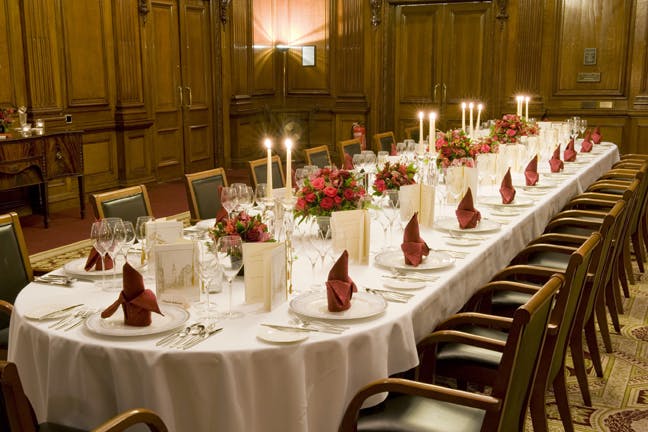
(101, 240)
(229, 250)
(129, 240)
(229, 198)
(208, 271)
(118, 238)
(140, 234)
(391, 210)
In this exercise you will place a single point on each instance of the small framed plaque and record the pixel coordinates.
(308, 55)
(588, 77)
(589, 56)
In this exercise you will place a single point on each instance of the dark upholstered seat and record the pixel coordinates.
(259, 173)
(203, 193)
(384, 141)
(318, 156)
(127, 204)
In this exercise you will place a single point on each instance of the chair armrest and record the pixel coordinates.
(481, 300)
(398, 385)
(613, 198)
(475, 318)
(560, 239)
(455, 336)
(524, 270)
(6, 307)
(590, 202)
(132, 417)
(523, 256)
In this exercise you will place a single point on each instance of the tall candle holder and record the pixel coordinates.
(288, 222)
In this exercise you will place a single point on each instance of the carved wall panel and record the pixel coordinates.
(128, 54)
(100, 161)
(350, 46)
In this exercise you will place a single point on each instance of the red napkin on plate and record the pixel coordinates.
(414, 247)
(393, 151)
(596, 135)
(221, 215)
(586, 145)
(136, 301)
(555, 162)
(94, 260)
(570, 152)
(531, 172)
(339, 286)
(348, 161)
(507, 191)
(467, 214)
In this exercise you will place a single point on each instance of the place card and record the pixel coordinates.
(417, 198)
(176, 277)
(350, 231)
(163, 231)
(264, 265)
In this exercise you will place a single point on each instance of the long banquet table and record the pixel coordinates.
(236, 382)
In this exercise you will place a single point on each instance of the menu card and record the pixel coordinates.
(176, 277)
(417, 198)
(265, 273)
(351, 230)
(163, 231)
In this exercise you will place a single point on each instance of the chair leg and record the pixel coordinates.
(616, 289)
(644, 230)
(642, 237)
(560, 392)
(627, 262)
(538, 410)
(576, 346)
(592, 346)
(610, 301)
(638, 250)
(601, 318)
(622, 278)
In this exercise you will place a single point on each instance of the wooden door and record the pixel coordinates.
(195, 54)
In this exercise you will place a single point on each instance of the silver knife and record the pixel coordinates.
(200, 338)
(289, 327)
(56, 312)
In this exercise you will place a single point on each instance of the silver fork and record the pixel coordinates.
(322, 326)
(80, 319)
(392, 296)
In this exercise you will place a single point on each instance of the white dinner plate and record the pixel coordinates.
(281, 336)
(451, 224)
(394, 258)
(50, 311)
(75, 268)
(496, 201)
(541, 186)
(315, 305)
(504, 211)
(578, 162)
(205, 224)
(403, 284)
(466, 242)
(174, 316)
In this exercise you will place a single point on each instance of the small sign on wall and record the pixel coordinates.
(308, 55)
(588, 77)
(589, 56)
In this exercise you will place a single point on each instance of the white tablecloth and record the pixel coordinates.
(236, 382)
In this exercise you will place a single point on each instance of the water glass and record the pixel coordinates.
(229, 250)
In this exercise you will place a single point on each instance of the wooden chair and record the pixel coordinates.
(128, 203)
(412, 405)
(258, 172)
(202, 193)
(318, 156)
(19, 414)
(15, 269)
(384, 141)
(412, 133)
(348, 147)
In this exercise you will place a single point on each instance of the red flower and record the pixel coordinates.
(349, 194)
(310, 197)
(327, 203)
(330, 191)
(318, 183)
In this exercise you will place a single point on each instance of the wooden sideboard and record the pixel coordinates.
(36, 159)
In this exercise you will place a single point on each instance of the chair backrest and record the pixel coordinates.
(17, 413)
(258, 172)
(520, 359)
(384, 141)
(351, 147)
(202, 193)
(318, 156)
(128, 203)
(412, 132)
(15, 267)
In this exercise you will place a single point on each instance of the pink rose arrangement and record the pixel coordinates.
(453, 147)
(510, 128)
(327, 191)
(6, 118)
(250, 228)
(393, 176)
(484, 145)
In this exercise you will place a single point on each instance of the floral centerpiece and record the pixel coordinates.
(484, 145)
(6, 118)
(453, 147)
(327, 191)
(250, 228)
(511, 127)
(393, 176)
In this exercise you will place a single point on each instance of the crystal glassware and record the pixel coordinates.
(229, 250)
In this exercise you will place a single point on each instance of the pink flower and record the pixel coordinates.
(338, 200)
(380, 185)
(330, 191)
(318, 183)
(510, 132)
(327, 203)
(348, 194)
(310, 197)
(301, 204)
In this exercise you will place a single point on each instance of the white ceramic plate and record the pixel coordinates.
(280, 336)
(451, 224)
(315, 305)
(174, 316)
(463, 242)
(206, 224)
(505, 211)
(75, 268)
(403, 284)
(39, 312)
(394, 259)
(537, 187)
(496, 201)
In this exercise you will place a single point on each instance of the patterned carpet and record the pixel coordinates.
(620, 398)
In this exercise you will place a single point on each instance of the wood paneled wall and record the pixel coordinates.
(164, 87)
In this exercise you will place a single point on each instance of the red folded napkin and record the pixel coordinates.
(339, 286)
(570, 152)
(94, 260)
(221, 215)
(586, 145)
(136, 301)
(507, 191)
(393, 151)
(531, 172)
(348, 161)
(555, 162)
(414, 247)
(596, 135)
(467, 214)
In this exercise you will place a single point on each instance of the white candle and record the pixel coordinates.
(268, 146)
(480, 107)
(432, 130)
(526, 109)
(470, 107)
(463, 116)
(420, 127)
(288, 143)
(519, 106)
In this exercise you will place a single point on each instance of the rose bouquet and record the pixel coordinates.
(510, 128)
(327, 191)
(453, 147)
(250, 228)
(6, 118)
(484, 145)
(393, 176)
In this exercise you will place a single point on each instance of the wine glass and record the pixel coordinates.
(208, 271)
(229, 250)
(140, 234)
(229, 198)
(245, 198)
(129, 239)
(118, 238)
(101, 240)
(391, 210)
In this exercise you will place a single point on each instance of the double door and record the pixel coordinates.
(442, 56)
(180, 76)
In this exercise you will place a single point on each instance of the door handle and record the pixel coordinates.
(436, 86)
(445, 93)
(181, 97)
(190, 97)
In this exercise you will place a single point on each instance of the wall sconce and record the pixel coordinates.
(224, 10)
(143, 9)
(376, 6)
